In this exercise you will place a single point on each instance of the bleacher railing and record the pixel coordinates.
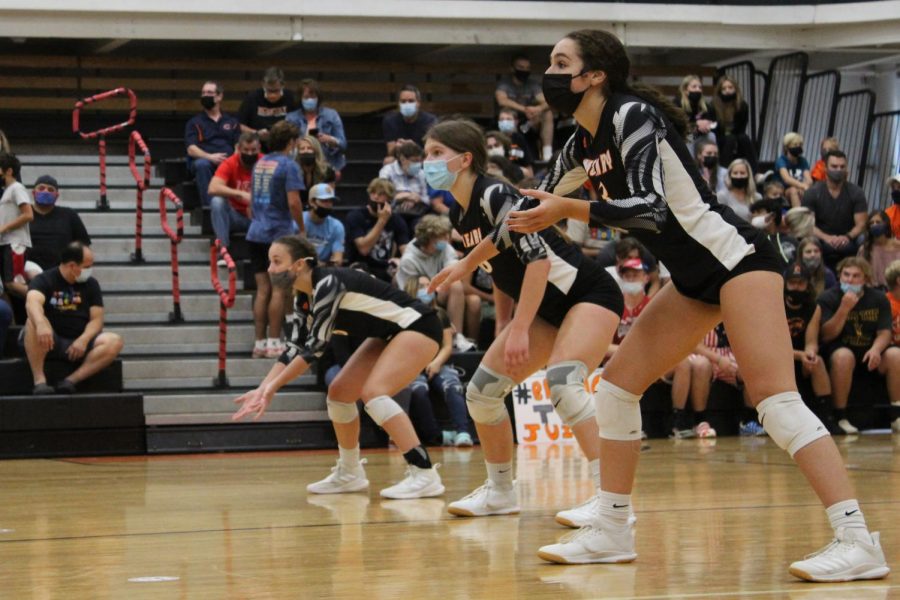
(175, 238)
(226, 300)
(853, 119)
(100, 134)
(781, 104)
(883, 158)
(142, 182)
(818, 110)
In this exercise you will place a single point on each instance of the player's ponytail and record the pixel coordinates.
(298, 247)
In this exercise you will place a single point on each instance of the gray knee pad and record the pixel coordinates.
(341, 412)
(485, 394)
(789, 422)
(571, 400)
(382, 408)
(618, 412)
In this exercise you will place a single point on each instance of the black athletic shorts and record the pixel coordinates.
(259, 257)
(60, 346)
(592, 286)
(428, 325)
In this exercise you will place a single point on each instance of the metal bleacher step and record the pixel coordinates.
(122, 198)
(155, 277)
(85, 176)
(187, 338)
(217, 407)
(123, 222)
(160, 373)
(155, 307)
(155, 249)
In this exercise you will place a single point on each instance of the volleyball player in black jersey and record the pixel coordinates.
(403, 336)
(629, 145)
(568, 310)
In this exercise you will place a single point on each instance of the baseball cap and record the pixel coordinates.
(634, 264)
(322, 191)
(797, 271)
(46, 180)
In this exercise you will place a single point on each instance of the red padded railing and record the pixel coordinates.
(226, 301)
(175, 238)
(142, 183)
(101, 134)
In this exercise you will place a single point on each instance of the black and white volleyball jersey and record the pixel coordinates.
(650, 187)
(347, 302)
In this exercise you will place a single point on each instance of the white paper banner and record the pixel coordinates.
(536, 421)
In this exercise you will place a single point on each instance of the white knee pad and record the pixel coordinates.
(382, 408)
(789, 422)
(485, 394)
(341, 412)
(571, 400)
(618, 412)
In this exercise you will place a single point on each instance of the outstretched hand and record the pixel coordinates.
(549, 212)
(253, 401)
(447, 277)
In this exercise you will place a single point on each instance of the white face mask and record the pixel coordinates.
(85, 275)
(632, 287)
(759, 222)
(496, 151)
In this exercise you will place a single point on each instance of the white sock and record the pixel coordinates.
(594, 466)
(848, 515)
(548, 152)
(260, 344)
(349, 458)
(615, 508)
(500, 474)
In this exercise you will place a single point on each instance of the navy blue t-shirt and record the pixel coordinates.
(212, 136)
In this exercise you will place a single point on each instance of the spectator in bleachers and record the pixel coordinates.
(880, 247)
(6, 318)
(230, 188)
(500, 145)
(893, 204)
(409, 123)
(892, 278)
(428, 253)
(54, 227)
(809, 253)
(519, 150)
(411, 199)
(590, 239)
(804, 319)
(799, 222)
(707, 156)
(4, 143)
(840, 208)
(500, 167)
(313, 166)
(691, 378)
(792, 169)
(16, 213)
(818, 172)
(209, 137)
(612, 256)
(375, 234)
(740, 189)
(773, 190)
(322, 229)
(701, 115)
(733, 116)
(65, 321)
(633, 274)
(265, 106)
(322, 123)
(857, 332)
(276, 211)
(766, 216)
(522, 92)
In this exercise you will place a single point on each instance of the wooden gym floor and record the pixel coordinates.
(714, 521)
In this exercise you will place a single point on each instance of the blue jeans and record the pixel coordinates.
(203, 171)
(225, 219)
(6, 318)
(448, 385)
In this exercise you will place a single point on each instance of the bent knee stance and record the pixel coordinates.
(341, 412)
(382, 408)
(485, 394)
(618, 412)
(570, 398)
(789, 422)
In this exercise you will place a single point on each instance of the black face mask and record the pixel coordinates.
(322, 212)
(248, 160)
(727, 97)
(374, 206)
(307, 159)
(895, 196)
(796, 297)
(694, 97)
(558, 93)
(795, 151)
(522, 74)
(740, 182)
(778, 201)
(710, 162)
(208, 102)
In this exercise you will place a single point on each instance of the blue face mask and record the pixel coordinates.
(438, 175)
(409, 109)
(441, 245)
(424, 297)
(414, 168)
(506, 125)
(309, 104)
(45, 198)
(849, 287)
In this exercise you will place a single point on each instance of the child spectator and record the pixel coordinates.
(411, 199)
(818, 172)
(499, 167)
(322, 229)
(810, 254)
(321, 123)
(519, 151)
(209, 137)
(880, 248)
(733, 114)
(800, 222)
(740, 189)
(792, 169)
(313, 166)
(374, 234)
(629, 247)
(230, 189)
(265, 106)
(15, 214)
(707, 156)
(54, 227)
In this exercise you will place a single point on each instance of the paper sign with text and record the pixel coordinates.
(536, 421)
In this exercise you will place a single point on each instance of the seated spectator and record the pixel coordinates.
(634, 280)
(800, 222)
(54, 227)
(880, 248)
(707, 156)
(740, 189)
(265, 106)
(691, 378)
(6, 318)
(411, 199)
(428, 253)
(375, 235)
(519, 150)
(498, 166)
(4, 143)
(276, 211)
(701, 116)
(16, 213)
(804, 319)
(313, 166)
(592, 240)
(209, 137)
(766, 216)
(629, 247)
(479, 283)
(408, 124)
(892, 278)
(840, 208)
(828, 144)
(322, 229)
(856, 333)
(230, 187)
(773, 190)
(792, 169)
(522, 92)
(322, 123)
(893, 204)
(733, 116)
(65, 321)
(809, 253)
